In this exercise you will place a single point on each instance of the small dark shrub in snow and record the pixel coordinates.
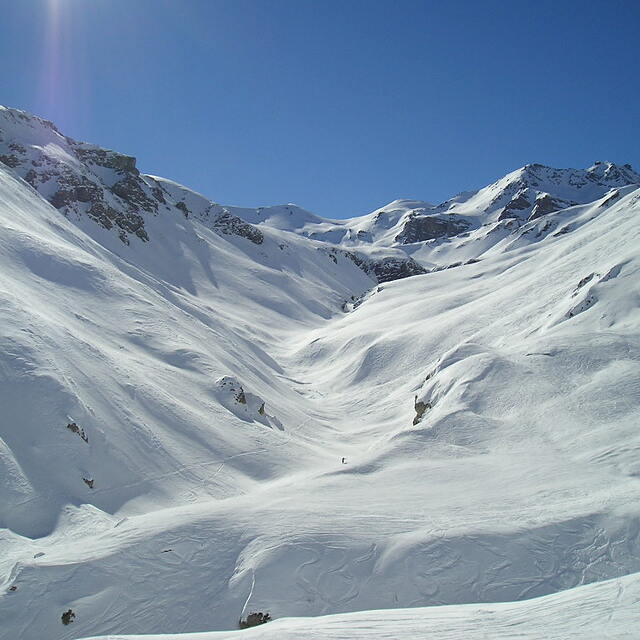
(68, 617)
(254, 619)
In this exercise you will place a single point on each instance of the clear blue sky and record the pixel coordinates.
(337, 105)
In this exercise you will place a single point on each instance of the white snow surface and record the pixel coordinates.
(178, 389)
(606, 609)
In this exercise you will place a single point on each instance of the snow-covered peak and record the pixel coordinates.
(527, 193)
(287, 217)
(612, 174)
(30, 129)
(24, 137)
(605, 174)
(406, 204)
(99, 186)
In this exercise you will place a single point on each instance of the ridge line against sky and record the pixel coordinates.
(339, 107)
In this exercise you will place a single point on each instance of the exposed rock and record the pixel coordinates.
(614, 195)
(420, 408)
(10, 160)
(419, 228)
(31, 177)
(389, 269)
(131, 191)
(88, 482)
(73, 189)
(108, 216)
(358, 261)
(74, 428)
(183, 207)
(61, 198)
(386, 269)
(232, 225)
(242, 403)
(584, 281)
(517, 203)
(562, 231)
(107, 158)
(545, 203)
(68, 617)
(158, 194)
(254, 619)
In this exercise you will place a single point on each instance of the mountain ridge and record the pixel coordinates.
(519, 195)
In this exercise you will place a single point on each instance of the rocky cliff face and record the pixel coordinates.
(419, 227)
(80, 179)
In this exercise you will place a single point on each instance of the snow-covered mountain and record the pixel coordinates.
(524, 195)
(181, 380)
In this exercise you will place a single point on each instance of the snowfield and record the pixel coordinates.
(180, 382)
(602, 610)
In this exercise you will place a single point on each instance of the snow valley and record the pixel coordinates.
(419, 420)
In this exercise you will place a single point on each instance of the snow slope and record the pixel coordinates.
(178, 388)
(602, 610)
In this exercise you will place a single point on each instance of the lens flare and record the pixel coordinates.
(51, 64)
(63, 83)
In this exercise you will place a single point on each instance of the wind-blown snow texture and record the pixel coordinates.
(179, 381)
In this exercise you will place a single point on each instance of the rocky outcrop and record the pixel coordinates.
(245, 405)
(10, 160)
(419, 228)
(545, 203)
(74, 428)
(77, 178)
(106, 158)
(232, 225)
(518, 203)
(72, 188)
(386, 269)
(183, 207)
(80, 179)
(130, 189)
(421, 408)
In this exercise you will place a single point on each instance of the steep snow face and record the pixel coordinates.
(127, 343)
(177, 407)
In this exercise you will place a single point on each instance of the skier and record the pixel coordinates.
(344, 461)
